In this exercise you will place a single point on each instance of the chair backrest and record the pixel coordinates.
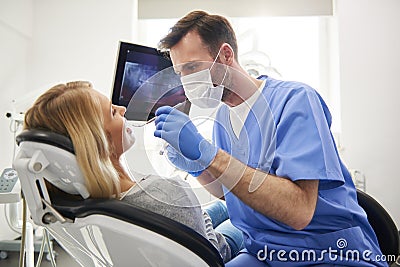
(383, 225)
(114, 233)
(100, 232)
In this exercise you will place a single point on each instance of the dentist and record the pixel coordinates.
(273, 158)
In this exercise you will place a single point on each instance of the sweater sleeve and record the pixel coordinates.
(174, 198)
(171, 198)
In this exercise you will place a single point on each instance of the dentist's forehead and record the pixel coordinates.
(190, 48)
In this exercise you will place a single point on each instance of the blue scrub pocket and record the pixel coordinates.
(345, 245)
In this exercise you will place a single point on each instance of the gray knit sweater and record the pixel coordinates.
(173, 198)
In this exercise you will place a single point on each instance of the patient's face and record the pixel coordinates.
(113, 121)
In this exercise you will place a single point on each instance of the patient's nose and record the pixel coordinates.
(121, 110)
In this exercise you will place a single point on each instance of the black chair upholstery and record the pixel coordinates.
(46, 137)
(164, 226)
(383, 225)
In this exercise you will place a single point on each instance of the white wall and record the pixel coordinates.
(369, 42)
(259, 8)
(44, 42)
(78, 39)
(16, 37)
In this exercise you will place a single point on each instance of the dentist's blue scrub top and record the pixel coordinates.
(287, 133)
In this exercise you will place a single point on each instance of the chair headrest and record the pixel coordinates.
(55, 152)
(46, 137)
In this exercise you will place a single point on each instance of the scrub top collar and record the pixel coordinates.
(239, 113)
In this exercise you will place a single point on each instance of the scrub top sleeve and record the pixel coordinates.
(305, 149)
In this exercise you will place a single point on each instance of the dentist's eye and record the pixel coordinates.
(193, 68)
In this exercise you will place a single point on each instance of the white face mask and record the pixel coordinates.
(128, 137)
(200, 90)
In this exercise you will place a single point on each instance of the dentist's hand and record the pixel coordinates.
(179, 161)
(177, 129)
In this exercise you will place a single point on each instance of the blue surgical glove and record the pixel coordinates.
(179, 161)
(177, 129)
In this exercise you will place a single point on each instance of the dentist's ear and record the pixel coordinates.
(226, 56)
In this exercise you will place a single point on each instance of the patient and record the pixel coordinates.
(98, 133)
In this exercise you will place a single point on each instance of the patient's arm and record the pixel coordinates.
(172, 198)
(175, 199)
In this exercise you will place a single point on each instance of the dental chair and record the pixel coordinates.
(385, 229)
(100, 232)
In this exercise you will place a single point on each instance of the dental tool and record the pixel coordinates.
(177, 106)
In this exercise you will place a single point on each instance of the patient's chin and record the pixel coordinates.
(128, 143)
(127, 147)
(128, 138)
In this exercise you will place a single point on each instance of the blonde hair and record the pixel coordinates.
(71, 110)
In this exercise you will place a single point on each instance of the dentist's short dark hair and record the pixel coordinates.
(214, 30)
